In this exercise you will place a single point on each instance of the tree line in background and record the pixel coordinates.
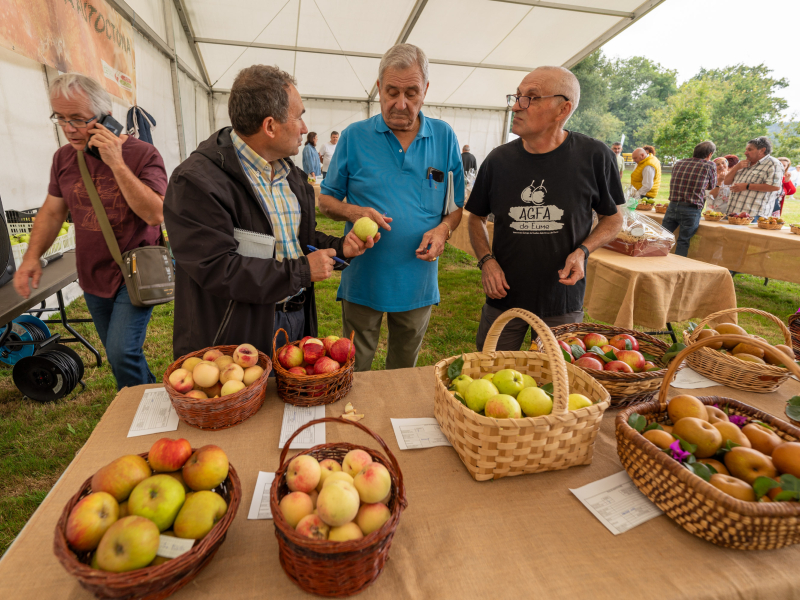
(643, 100)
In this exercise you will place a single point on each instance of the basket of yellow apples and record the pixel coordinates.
(725, 471)
(146, 524)
(481, 397)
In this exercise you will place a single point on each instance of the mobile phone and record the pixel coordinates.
(113, 126)
(438, 176)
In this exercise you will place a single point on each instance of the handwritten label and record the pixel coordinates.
(172, 547)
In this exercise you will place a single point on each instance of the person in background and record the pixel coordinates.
(326, 152)
(732, 159)
(787, 189)
(311, 164)
(646, 177)
(691, 179)
(756, 181)
(542, 189)
(385, 166)
(131, 181)
(721, 164)
(616, 148)
(468, 160)
(649, 150)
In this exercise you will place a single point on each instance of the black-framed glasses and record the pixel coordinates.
(525, 101)
(77, 123)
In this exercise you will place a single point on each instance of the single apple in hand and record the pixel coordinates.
(158, 498)
(206, 468)
(130, 543)
(169, 455)
(119, 477)
(618, 366)
(89, 520)
(181, 380)
(365, 228)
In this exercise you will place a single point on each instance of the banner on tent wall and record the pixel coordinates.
(83, 36)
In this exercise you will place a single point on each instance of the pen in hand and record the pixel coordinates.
(335, 258)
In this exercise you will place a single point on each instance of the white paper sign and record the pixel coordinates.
(295, 417)
(172, 547)
(154, 415)
(418, 433)
(689, 379)
(617, 503)
(259, 507)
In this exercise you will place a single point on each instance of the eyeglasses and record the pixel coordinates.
(77, 123)
(525, 101)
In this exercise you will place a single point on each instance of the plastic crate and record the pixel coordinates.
(21, 216)
(61, 244)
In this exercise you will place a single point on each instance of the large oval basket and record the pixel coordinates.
(730, 371)
(794, 329)
(693, 503)
(336, 569)
(149, 583)
(494, 448)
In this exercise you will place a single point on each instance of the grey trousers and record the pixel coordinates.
(514, 332)
(406, 330)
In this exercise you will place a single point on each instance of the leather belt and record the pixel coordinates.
(292, 304)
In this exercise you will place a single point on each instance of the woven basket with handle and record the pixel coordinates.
(693, 503)
(312, 390)
(336, 569)
(494, 448)
(149, 583)
(730, 371)
(625, 388)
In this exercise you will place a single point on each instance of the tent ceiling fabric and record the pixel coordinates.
(333, 46)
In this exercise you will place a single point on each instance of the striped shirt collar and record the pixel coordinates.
(256, 161)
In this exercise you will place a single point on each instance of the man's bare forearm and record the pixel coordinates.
(478, 236)
(47, 225)
(338, 210)
(453, 219)
(607, 229)
(143, 201)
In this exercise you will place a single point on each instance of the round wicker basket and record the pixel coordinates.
(494, 448)
(661, 208)
(149, 583)
(336, 569)
(718, 218)
(794, 330)
(730, 371)
(312, 390)
(740, 220)
(224, 412)
(625, 388)
(795, 229)
(644, 206)
(770, 226)
(696, 505)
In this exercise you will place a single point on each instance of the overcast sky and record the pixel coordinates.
(689, 34)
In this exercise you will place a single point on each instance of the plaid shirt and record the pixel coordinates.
(691, 178)
(757, 204)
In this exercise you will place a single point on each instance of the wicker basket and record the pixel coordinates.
(644, 206)
(794, 330)
(740, 220)
(494, 448)
(717, 218)
(625, 388)
(730, 371)
(795, 230)
(312, 390)
(693, 503)
(770, 226)
(661, 208)
(149, 583)
(224, 412)
(336, 569)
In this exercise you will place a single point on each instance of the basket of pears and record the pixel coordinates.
(513, 413)
(725, 471)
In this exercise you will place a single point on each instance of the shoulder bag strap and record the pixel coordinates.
(100, 212)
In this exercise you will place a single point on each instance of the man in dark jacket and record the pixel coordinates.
(240, 217)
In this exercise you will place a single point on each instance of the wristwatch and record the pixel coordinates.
(748, 186)
(585, 250)
(483, 261)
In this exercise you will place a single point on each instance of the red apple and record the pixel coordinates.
(633, 358)
(575, 341)
(309, 369)
(326, 365)
(594, 339)
(298, 371)
(649, 366)
(342, 350)
(304, 340)
(90, 519)
(618, 365)
(588, 362)
(169, 455)
(565, 346)
(608, 349)
(328, 342)
(181, 380)
(313, 352)
(290, 356)
(618, 341)
(206, 468)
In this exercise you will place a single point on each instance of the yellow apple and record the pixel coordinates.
(199, 514)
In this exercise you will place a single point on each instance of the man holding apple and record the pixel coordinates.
(542, 189)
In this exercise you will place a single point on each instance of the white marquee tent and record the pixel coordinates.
(189, 51)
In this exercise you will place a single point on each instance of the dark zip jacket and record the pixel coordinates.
(208, 196)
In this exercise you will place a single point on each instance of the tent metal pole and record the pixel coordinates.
(212, 117)
(186, 23)
(176, 88)
(571, 7)
(506, 125)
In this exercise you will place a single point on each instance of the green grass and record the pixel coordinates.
(37, 442)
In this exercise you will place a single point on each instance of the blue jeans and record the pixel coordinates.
(687, 217)
(293, 323)
(122, 328)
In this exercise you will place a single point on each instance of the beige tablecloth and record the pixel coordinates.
(746, 249)
(519, 537)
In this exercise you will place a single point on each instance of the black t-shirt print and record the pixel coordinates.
(543, 211)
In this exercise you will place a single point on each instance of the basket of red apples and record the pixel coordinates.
(335, 508)
(115, 534)
(741, 218)
(219, 387)
(311, 372)
(629, 364)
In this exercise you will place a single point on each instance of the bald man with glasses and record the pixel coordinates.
(542, 189)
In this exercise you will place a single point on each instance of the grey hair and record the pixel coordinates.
(99, 98)
(565, 83)
(402, 56)
(761, 142)
(259, 92)
(703, 149)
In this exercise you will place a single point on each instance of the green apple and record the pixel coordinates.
(535, 402)
(488, 376)
(508, 381)
(90, 519)
(158, 498)
(528, 381)
(130, 543)
(460, 384)
(577, 401)
(199, 515)
(478, 393)
(364, 228)
(503, 406)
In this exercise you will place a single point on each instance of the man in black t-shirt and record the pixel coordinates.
(468, 159)
(542, 189)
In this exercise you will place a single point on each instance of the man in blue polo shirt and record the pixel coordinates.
(387, 167)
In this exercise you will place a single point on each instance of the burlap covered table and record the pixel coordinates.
(746, 249)
(520, 537)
